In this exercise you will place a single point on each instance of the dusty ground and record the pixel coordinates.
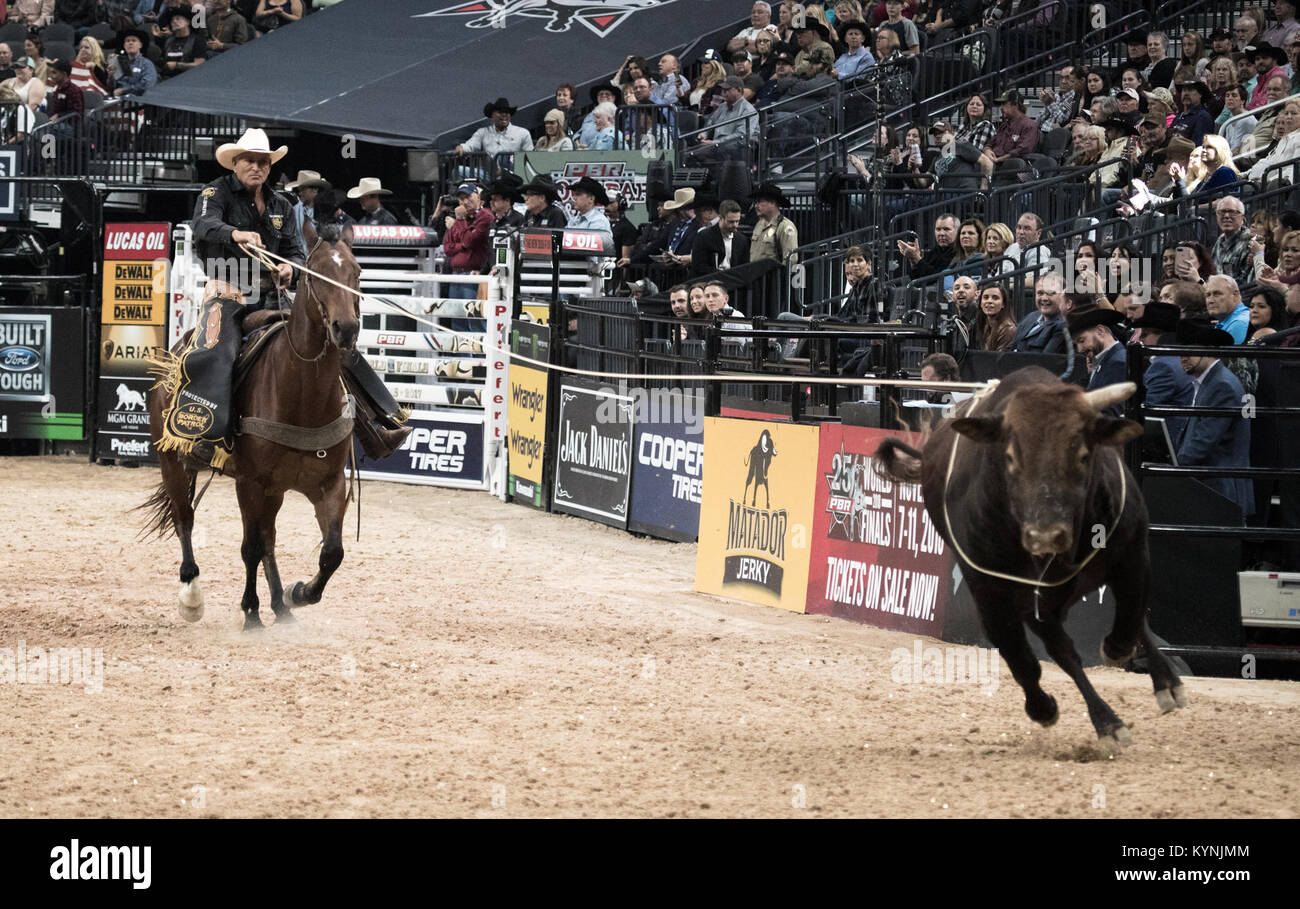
(478, 659)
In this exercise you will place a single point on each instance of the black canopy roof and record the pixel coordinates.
(407, 72)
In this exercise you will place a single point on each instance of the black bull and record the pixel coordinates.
(1038, 468)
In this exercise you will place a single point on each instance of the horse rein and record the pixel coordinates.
(262, 257)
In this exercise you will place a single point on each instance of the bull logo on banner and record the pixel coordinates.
(598, 18)
(756, 536)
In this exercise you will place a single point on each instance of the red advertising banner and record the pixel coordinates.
(876, 557)
(136, 241)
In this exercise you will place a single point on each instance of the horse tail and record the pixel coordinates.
(159, 519)
(898, 460)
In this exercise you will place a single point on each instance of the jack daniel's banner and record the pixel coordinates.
(756, 516)
(593, 465)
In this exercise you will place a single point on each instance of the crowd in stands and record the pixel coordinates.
(116, 48)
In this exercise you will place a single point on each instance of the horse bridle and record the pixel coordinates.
(324, 316)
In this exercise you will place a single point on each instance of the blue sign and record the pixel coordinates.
(446, 450)
(667, 464)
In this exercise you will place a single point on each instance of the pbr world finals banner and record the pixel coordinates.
(622, 172)
(876, 556)
(133, 328)
(756, 515)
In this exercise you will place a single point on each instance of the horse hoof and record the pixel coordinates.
(1117, 739)
(252, 621)
(1046, 713)
(1116, 661)
(1171, 698)
(297, 595)
(190, 604)
(1180, 695)
(285, 617)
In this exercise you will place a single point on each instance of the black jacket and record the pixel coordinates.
(225, 206)
(380, 216)
(550, 216)
(708, 250)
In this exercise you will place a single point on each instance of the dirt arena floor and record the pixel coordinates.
(478, 659)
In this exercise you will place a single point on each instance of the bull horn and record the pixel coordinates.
(1102, 398)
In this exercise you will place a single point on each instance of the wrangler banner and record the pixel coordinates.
(757, 511)
(876, 556)
(133, 328)
(526, 416)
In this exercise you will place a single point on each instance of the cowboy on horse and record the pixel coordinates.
(235, 212)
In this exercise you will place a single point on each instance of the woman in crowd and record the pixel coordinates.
(556, 136)
(765, 63)
(34, 48)
(695, 302)
(707, 93)
(977, 126)
(1193, 61)
(1267, 313)
(271, 14)
(88, 70)
(995, 325)
(813, 11)
(1285, 146)
(633, 68)
(1096, 84)
(1119, 265)
(1086, 258)
(997, 238)
(1193, 261)
(1264, 229)
(1210, 170)
(1287, 272)
(1220, 75)
(968, 251)
(1089, 147)
(603, 115)
(30, 90)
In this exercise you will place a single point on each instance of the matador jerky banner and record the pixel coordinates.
(756, 515)
(876, 556)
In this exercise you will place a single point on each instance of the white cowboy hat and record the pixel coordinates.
(683, 198)
(307, 179)
(253, 140)
(366, 187)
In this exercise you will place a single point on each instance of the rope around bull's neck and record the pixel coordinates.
(262, 254)
(952, 458)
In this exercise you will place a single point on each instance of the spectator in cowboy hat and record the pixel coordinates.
(681, 238)
(775, 235)
(1269, 61)
(1194, 121)
(501, 137)
(588, 197)
(1165, 382)
(373, 212)
(1093, 329)
(503, 195)
(600, 94)
(540, 208)
(138, 72)
(308, 185)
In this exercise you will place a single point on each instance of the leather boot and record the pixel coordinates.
(376, 441)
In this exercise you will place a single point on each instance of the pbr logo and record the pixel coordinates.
(614, 176)
(598, 18)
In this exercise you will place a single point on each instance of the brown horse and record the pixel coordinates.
(296, 381)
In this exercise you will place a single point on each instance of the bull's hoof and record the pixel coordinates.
(1171, 698)
(1117, 739)
(1120, 660)
(190, 604)
(297, 596)
(1043, 712)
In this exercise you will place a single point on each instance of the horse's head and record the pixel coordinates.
(331, 257)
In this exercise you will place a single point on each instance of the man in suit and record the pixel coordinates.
(721, 246)
(1043, 331)
(1165, 382)
(1213, 441)
(1093, 329)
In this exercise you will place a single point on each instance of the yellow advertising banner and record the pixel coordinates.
(135, 293)
(526, 420)
(757, 512)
